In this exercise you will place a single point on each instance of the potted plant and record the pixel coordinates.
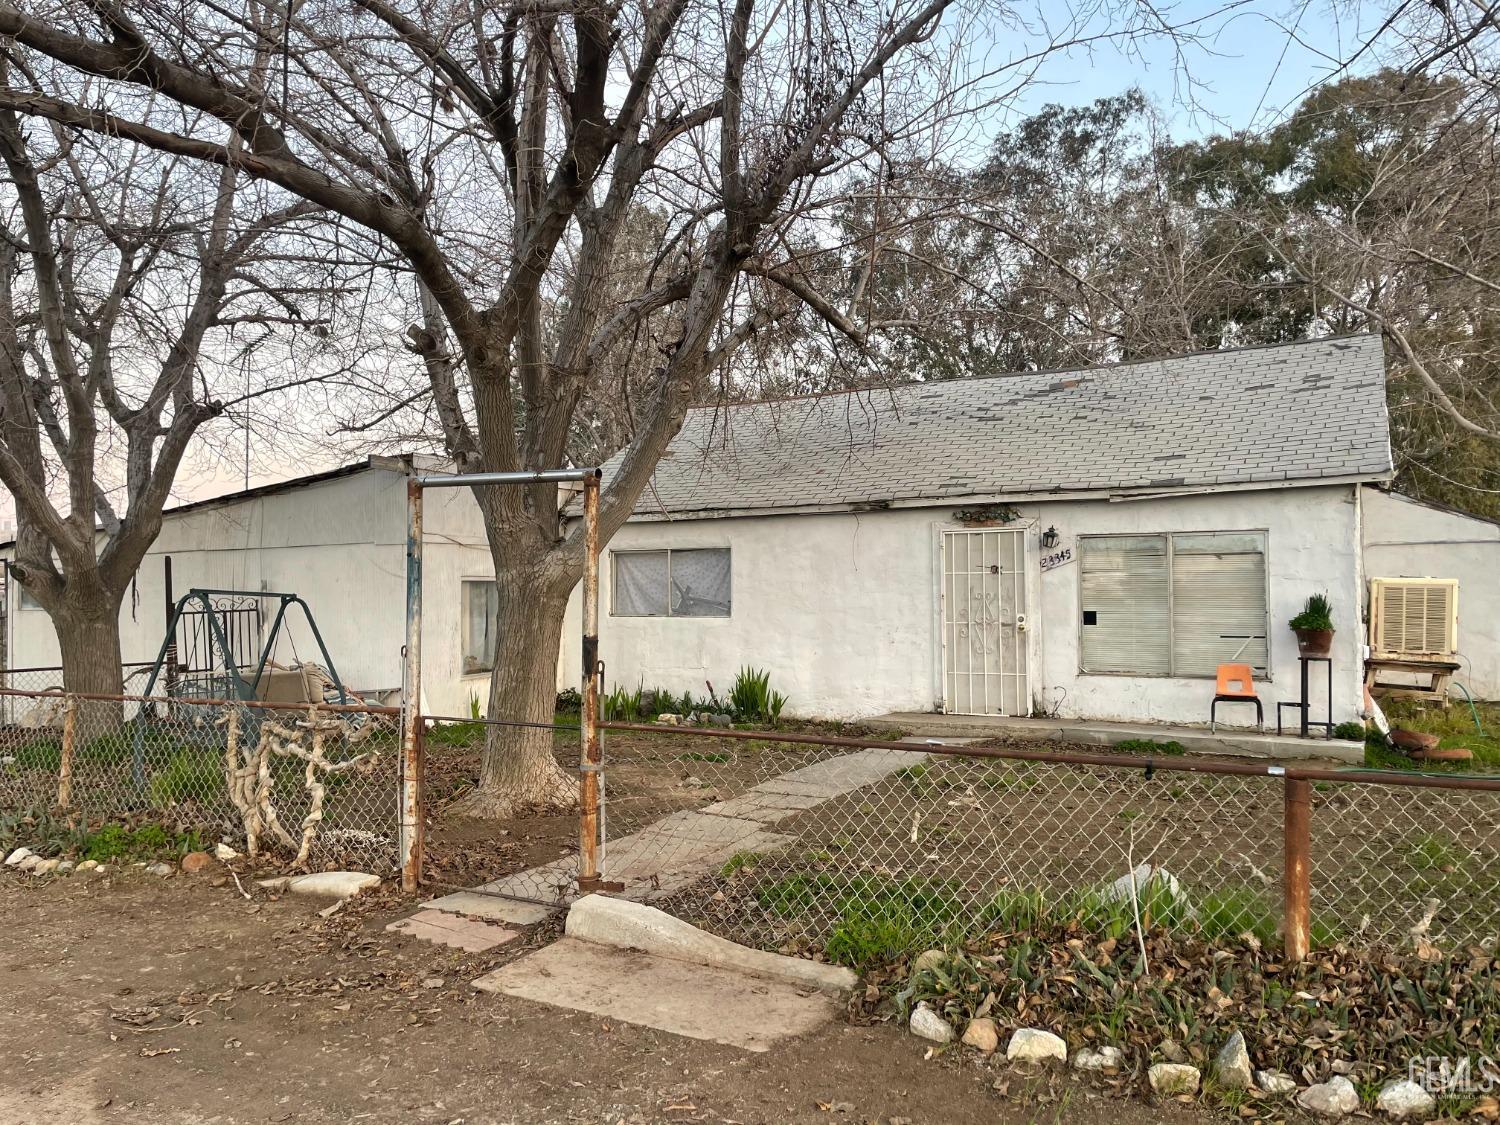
(1314, 627)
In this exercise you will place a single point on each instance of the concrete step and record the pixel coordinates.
(472, 935)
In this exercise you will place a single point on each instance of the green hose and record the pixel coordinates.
(1472, 709)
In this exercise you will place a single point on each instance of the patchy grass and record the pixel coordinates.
(1149, 746)
(1453, 725)
(147, 841)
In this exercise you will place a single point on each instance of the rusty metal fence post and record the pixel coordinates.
(1296, 867)
(409, 852)
(591, 761)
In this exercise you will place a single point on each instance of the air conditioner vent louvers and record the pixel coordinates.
(1414, 617)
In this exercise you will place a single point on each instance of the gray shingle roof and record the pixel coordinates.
(1299, 412)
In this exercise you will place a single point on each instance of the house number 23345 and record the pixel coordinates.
(1053, 559)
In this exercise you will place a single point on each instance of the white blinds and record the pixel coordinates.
(1125, 599)
(1218, 602)
(1180, 605)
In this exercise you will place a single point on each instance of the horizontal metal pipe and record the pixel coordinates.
(499, 722)
(186, 701)
(541, 476)
(1075, 758)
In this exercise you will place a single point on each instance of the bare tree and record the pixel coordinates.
(126, 278)
(501, 150)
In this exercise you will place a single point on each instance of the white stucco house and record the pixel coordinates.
(1088, 544)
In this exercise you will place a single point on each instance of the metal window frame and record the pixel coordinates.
(1170, 536)
(614, 583)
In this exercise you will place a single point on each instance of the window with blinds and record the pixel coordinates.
(1173, 605)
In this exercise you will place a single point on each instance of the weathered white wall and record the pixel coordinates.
(842, 609)
(1407, 539)
(341, 545)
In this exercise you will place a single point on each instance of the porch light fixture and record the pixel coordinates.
(1049, 539)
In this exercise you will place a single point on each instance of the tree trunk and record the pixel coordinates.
(89, 638)
(518, 770)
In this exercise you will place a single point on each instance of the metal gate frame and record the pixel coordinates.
(1020, 656)
(591, 762)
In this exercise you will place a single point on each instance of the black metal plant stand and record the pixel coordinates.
(1302, 704)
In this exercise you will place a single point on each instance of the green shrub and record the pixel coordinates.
(1350, 732)
(621, 706)
(44, 754)
(751, 698)
(190, 775)
(1150, 746)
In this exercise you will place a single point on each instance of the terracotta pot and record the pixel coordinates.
(1314, 642)
(1456, 754)
(1413, 741)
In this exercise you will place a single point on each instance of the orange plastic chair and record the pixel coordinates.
(1236, 684)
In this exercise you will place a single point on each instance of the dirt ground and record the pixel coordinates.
(137, 999)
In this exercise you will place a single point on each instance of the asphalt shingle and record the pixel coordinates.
(1303, 411)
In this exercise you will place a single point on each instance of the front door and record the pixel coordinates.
(983, 597)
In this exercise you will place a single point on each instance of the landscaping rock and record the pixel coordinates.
(1105, 1058)
(195, 862)
(1232, 1065)
(46, 867)
(982, 1034)
(929, 959)
(29, 862)
(1405, 1098)
(87, 865)
(65, 867)
(162, 869)
(721, 720)
(15, 857)
(1335, 1098)
(1174, 1078)
(927, 1024)
(224, 853)
(1031, 1044)
(333, 884)
(1275, 1083)
(1172, 1051)
(668, 719)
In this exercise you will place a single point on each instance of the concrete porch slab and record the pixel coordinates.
(697, 1001)
(481, 905)
(1233, 743)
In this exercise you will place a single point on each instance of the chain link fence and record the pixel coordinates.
(305, 787)
(811, 845)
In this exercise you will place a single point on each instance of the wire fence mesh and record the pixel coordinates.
(814, 847)
(307, 787)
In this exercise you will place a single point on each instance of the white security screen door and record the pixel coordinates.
(983, 597)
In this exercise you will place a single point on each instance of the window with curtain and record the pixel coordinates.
(481, 609)
(1173, 605)
(692, 582)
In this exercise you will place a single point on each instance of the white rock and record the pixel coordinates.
(333, 884)
(223, 853)
(1405, 1098)
(65, 866)
(1335, 1098)
(17, 856)
(1275, 1083)
(927, 1024)
(104, 869)
(1174, 1078)
(1232, 1064)
(982, 1035)
(88, 865)
(46, 867)
(1105, 1058)
(28, 863)
(668, 719)
(162, 869)
(1031, 1044)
